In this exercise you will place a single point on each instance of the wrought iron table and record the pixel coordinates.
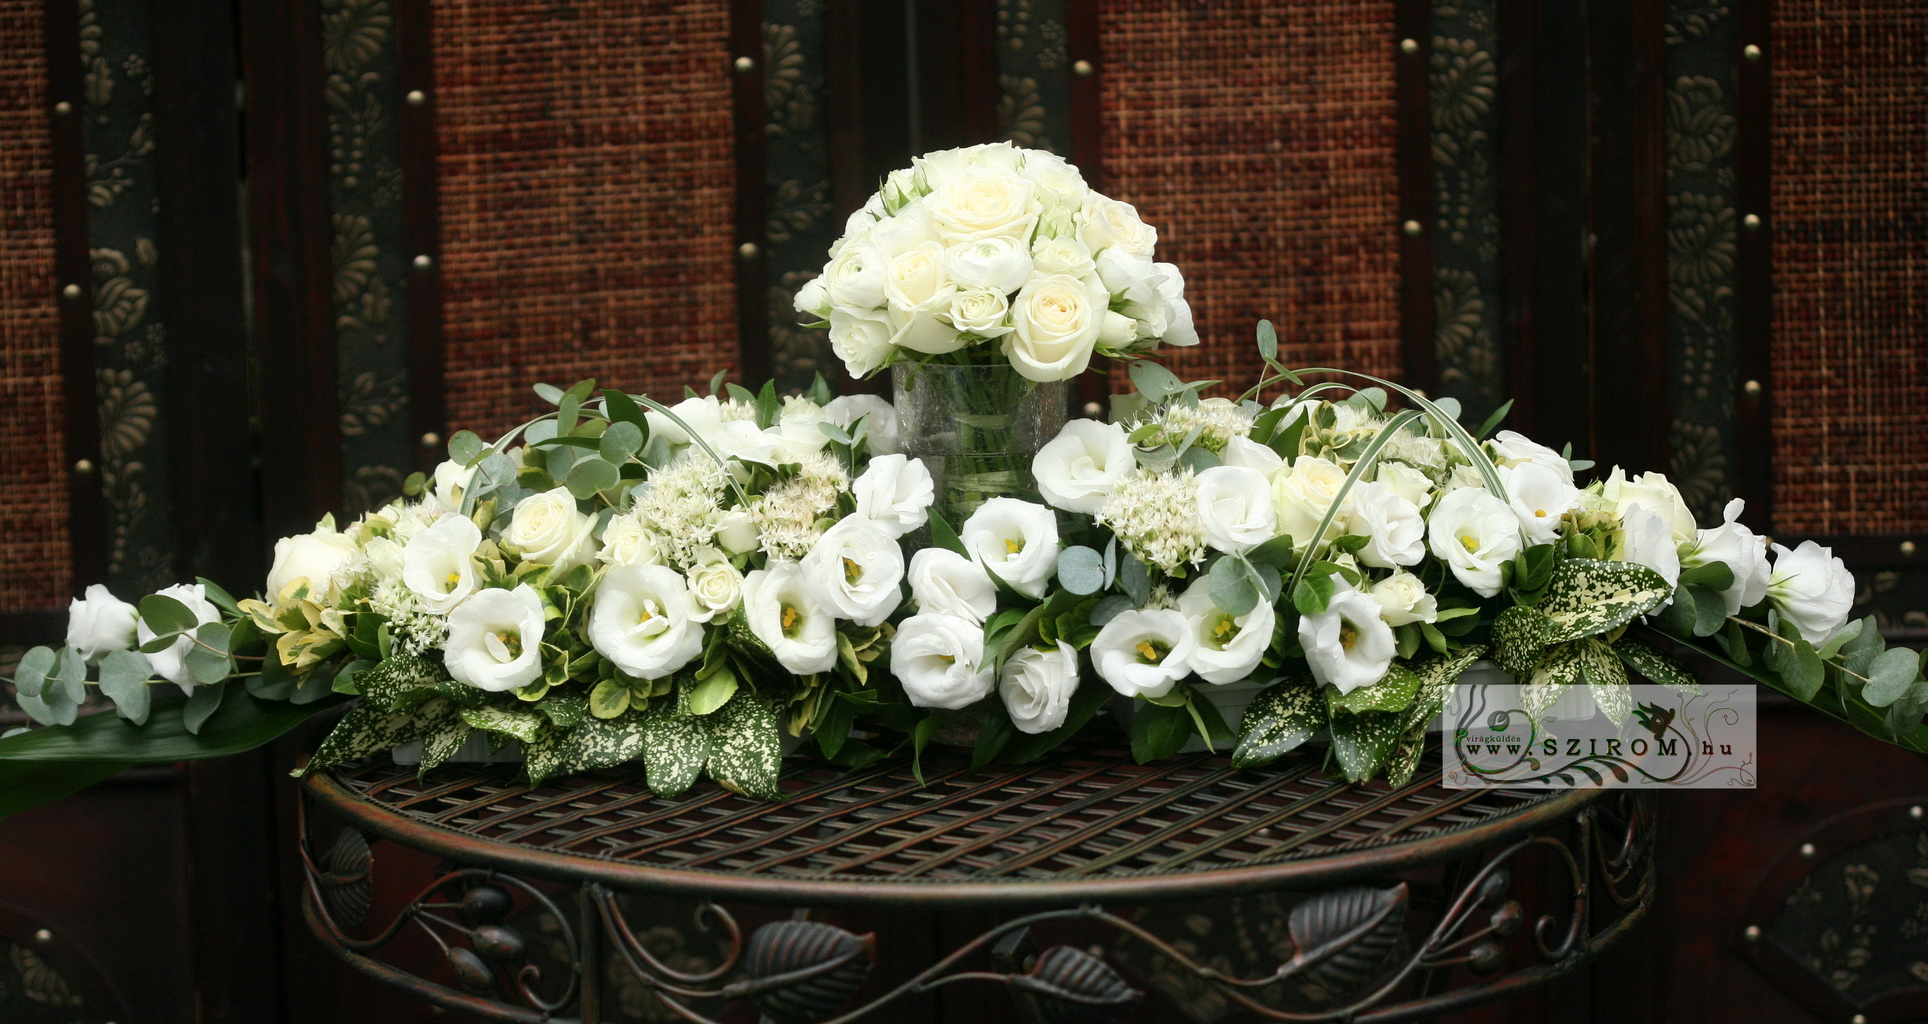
(1398, 903)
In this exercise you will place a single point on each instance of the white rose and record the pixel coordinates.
(856, 570)
(1117, 332)
(1539, 497)
(99, 623)
(1403, 600)
(1176, 327)
(916, 276)
(548, 530)
(981, 311)
(450, 480)
(1132, 281)
(1405, 481)
(1243, 451)
(998, 264)
(941, 166)
(1108, 223)
(940, 661)
(1080, 468)
(795, 433)
(1301, 496)
(910, 228)
(1037, 685)
(856, 278)
(1474, 533)
(1512, 448)
(438, 564)
(894, 492)
(800, 633)
(813, 298)
(862, 341)
(1066, 256)
(1812, 589)
(984, 202)
(1144, 652)
(314, 558)
(925, 329)
(170, 663)
(643, 621)
(716, 587)
(495, 639)
(736, 532)
(1059, 182)
(944, 582)
(703, 415)
(1741, 550)
(1015, 541)
(1645, 540)
(900, 187)
(626, 542)
(384, 558)
(1348, 645)
(880, 426)
(1235, 505)
(1057, 319)
(1395, 532)
(1227, 647)
(1653, 492)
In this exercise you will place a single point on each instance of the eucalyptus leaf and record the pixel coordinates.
(30, 675)
(123, 680)
(465, 447)
(242, 722)
(1154, 381)
(201, 705)
(1889, 678)
(1081, 570)
(1232, 585)
(165, 615)
(622, 440)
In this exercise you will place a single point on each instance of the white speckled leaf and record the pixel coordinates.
(367, 729)
(1394, 692)
(1436, 677)
(1363, 742)
(1520, 634)
(546, 754)
(520, 723)
(565, 708)
(440, 745)
(1606, 679)
(1656, 665)
(675, 748)
(1559, 668)
(1588, 597)
(1281, 718)
(402, 682)
(744, 749)
(1405, 757)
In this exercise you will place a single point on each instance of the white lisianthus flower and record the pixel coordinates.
(1348, 645)
(643, 621)
(495, 638)
(1646, 540)
(313, 557)
(1741, 550)
(1474, 533)
(984, 202)
(450, 480)
(703, 415)
(1227, 647)
(946, 583)
(1144, 652)
(1812, 589)
(1235, 504)
(1037, 684)
(1132, 282)
(1057, 319)
(795, 433)
(1301, 496)
(170, 662)
(856, 570)
(1243, 451)
(781, 613)
(981, 311)
(1512, 449)
(736, 532)
(627, 542)
(1015, 541)
(716, 587)
(1403, 600)
(438, 564)
(1080, 468)
(98, 623)
(895, 493)
(861, 340)
(940, 661)
(1108, 223)
(1000, 265)
(547, 529)
(1653, 492)
(1405, 481)
(856, 278)
(1539, 497)
(1395, 532)
(879, 416)
(1062, 256)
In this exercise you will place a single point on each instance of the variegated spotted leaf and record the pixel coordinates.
(368, 729)
(1656, 665)
(546, 754)
(744, 749)
(565, 708)
(1363, 742)
(1588, 597)
(1606, 679)
(520, 723)
(1436, 678)
(1393, 692)
(1281, 718)
(605, 742)
(1559, 668)
(403, 681)
(675, 748)
(1405, 757)
(1520, 635)
(439, 746)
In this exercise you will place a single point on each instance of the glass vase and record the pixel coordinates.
(976, 426)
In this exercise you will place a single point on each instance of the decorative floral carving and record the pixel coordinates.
(792, 104)
(796, 209)
(1697, 464)
(127, 413)
(353, 32)
(1700, 127)
(1020, 112)
(1461, 334)
(1463, 82)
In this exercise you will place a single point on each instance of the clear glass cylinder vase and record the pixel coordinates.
(976, 426)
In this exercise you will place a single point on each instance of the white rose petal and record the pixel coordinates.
(1348, 645)
(856, 278)
(315, 558)
(1812, 589)
(984, 202)
(940, 661)
(861, 340)
(1235, 504)
(495, 639)
(1080, 468)
(1243, 451)
(1037, 685)
(981, 311)
(626, 542)
(1059, 182)
(813, 298)
(879, 416)
(703, 415)
(916, 276)
(800, 633)
(895, 492)
(1474, 533)
(1016, 541)
(1108, 223)
(1301, 496)
(99, 623)
(170, 663)
(1653, 492)
(736, 532)
(1403, 600)
(1405, 481)
(438, 564)
(716, 586)
(1144, 652)
(997, 264)
(1228, 647)
(926, 328)
(1062, 256)
(450, 480)
(946, 583)
(1741, 550)
(643, 621)
(856, 570)
(1057, 319)
(908, 229)
(548, 530)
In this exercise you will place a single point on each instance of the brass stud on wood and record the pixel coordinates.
(44, 937)
(431, 440)
(1752, 933)
(1752, 387)
(416, 97)
(744, 65)
(1083, 69)
(1751, 222)
(1808, 852)
(1916, 812)
(1409, 47)
(747, 251)
(71, 293)
(1093, 410)
(1908, 551)
(424, 261)
(1751, 52)
(84, 467)
(63, 108)
(1412, 228)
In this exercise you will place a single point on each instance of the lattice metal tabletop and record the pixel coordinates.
(1083, 830)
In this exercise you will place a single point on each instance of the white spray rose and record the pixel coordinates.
(946, 583)
(1812, 589)
(925, 328)
(1144, 652)
(450, 480)
(1474, 533)
(1108, 223)
(1405, 481)
(981, 311)
(1016, 541)
(1395, 532)
(1174, 325)
(1646, 540)
(917, 276)
(813, 299)
(1301, 496)
(1132, 281)
(716, 587)
(1348, 645)
(495, 639)
(1001, 265)
(895, 493)
(1243, 451)
(98, 623)
(1539, 497)
(170, 663)
(879, 416)
(643, 621)
(1037, 684)
(940, 661)
(1080, 468)
(1059, 182)
(438, 564)
(1057, 319)
(1512, 448)
(627, 542)
(1062, 256)
(908, 229)
(314, 557)
(861, 340)
(781, 613)
(937, 168)
(384, 558)
(984, 202)
(1235, 504)
(548, 530)
(1741, 550)
(856, 278)
(1653, 492)
(703, 415)
(1403, 600)
(736, 532)
(1227, 647)
(856, 570)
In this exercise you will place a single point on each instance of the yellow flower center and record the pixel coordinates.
(1540, 513)
(1151, 652)
(788, 619)
(511, 643)
(454, 579)
(1348, 636)
(1224, 629)
(948, 659)
(1012, 547)
(1469, 542)
(851, 571)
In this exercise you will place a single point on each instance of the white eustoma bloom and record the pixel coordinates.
(495, 639)
(1812, 589)
(170, 662)
(1395, 532)
(548, 529)
(438, 564)
(856, 570)
(1741, 550)
(1227, 648)
(940, 661)
(703, 415)
(716, 586)
(1653, 492)
(1235, 504)
(1539, 497)
(945, 582)
(999, 265)
(99, 623)
(861, 340)
(643, 621)
(1080, 468)
(1015, 541)
(315, 557)
(879, 416)
(1037, 684)
(1144, 652)
(1403, 600)
(1243, 451)
(895, 493)
(1512, 448)
(1348, 645)
(450, 480)
(1474, 533)
(1646, 540)
(1303, 492)
(1057, 319)
(781, 613)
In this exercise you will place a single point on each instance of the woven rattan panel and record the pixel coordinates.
(1850, 222)
(33, 511)
(1258, 138)
(586, 183)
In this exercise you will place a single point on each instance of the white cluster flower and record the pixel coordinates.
(1217, 421)
(411, 628)
(1155, 516)
(787, 516)
(681, 508)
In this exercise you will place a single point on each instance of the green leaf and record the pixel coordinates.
(609, 699)
(620, 408)
(1710, 611)
(994, 732)
(1313, 594)
(674, 749)
(1268, 340)
(745, 753)
(1090, 697)
(241, 723)
(1805, 672)
(30, 676)
(942, 536)
(1232, 586)
(442, 744)
(1893, 672)
(1394, 692)
(521, 723)
(1534, 568)
(402, 682)
(714, 691)
(1713, 575)
(1081, 570)
(123, 680)
(1656, 665)
(564, 708)
(622, 440)
(208, 661)
(25, 785)
(1606, 679)
(368, 729)
(1362, 743)
(1586, 597)
(1520, 633)
(219, 597)
(465, 447)
(1436, 677)
(1135, 580)
(1157, 732)
(1278, 721)
(1405, 756)
(201, 705)
(1154, 381)
(1276, 552)
(165, 615)
(1498, 417)
(589, 476)
(1859, 653)
(1559, 668)
(1209, 723)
